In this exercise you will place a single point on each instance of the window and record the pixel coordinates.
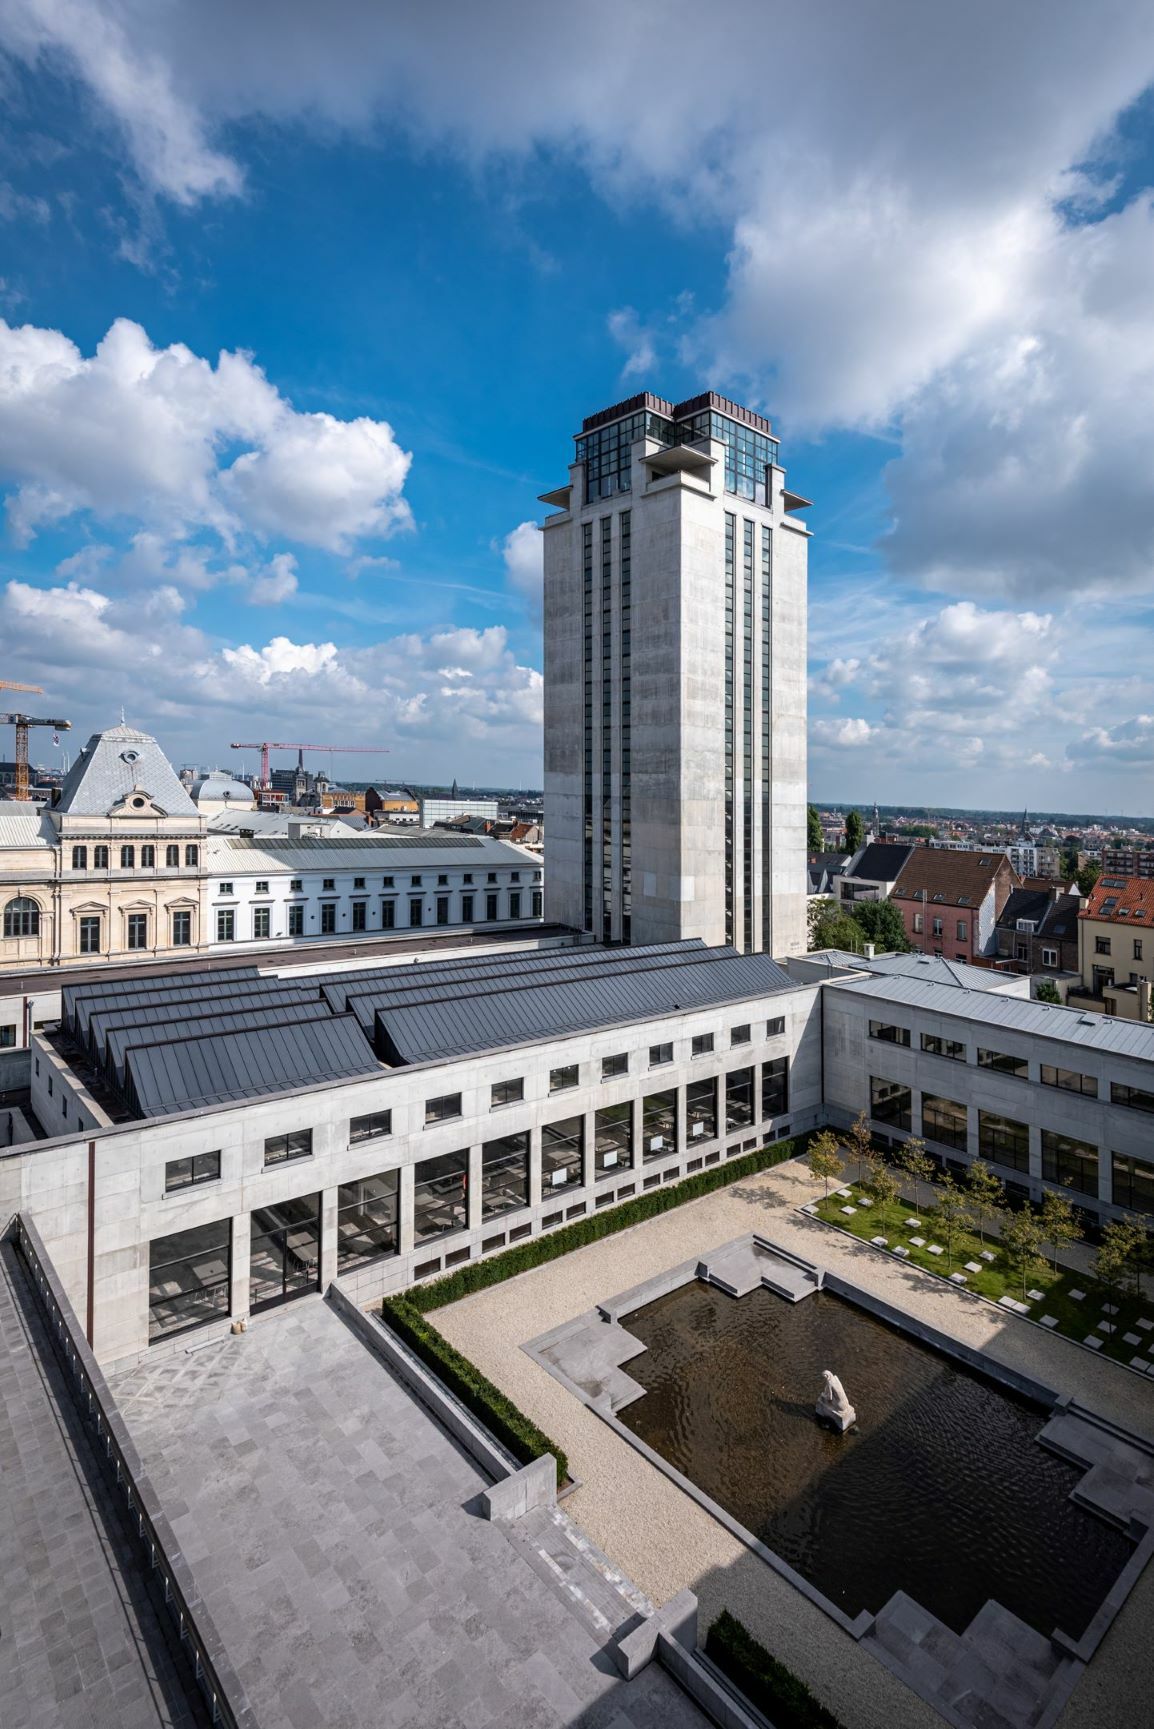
(535, 899)
(701, 1110)
(889, 1035)
(442, 909)
(1133, 1183)
(939, 1047)
(514, 876)
(224, 889)
(937, 927)
(659, 1125)
(514, 903)
(388, 915)
(890, 1103)
(90, 934)
(296, 921)
(367, 1214)
(282, 1149)
(295, 885)
(148, 858)
(702, 1044)
(1003, 1141)
(739, 1107)
(181, 930)
(507, 1093)
(358, 882)
(613, 1138)
(1049, 957)
(1072, 1164)
(127, 858)
(370, 1128)
(659, 1055)
(416, 912)
(945, 1121)
(443, 1109)
(328, 884)
(1004, 1064)
(191, 855)
(388, 883)
(261, 921)
(261, 888)
(415, 882)
(172, 858)
(225, 925)
(466, 909)
(189, 1275)
(1137, 948)
(963, 930)
(560, 1080)
(1070, 1081)
(138, 930)
(775, 1027)
(440, 1195)
(490, 876)
(1134, 1098)
(739, 1035)
(100, 857)
(919, 922)
(80, 858)
(775, 1087)
(611, 1067)
(442, 882)
(188, 1173)
(360, 915)
(328, 918)
(490, 907)
(8, 1039)
(504, 1174)
(562, 1153)
(1101, 945)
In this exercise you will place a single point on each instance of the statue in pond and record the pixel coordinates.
(833, 1407)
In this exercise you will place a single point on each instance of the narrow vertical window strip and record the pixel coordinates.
(730, 577)
(625, 560)
(587, 813)
(607, 728)
(747, 735)
(766, 776)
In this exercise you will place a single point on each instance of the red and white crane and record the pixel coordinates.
(271, 744)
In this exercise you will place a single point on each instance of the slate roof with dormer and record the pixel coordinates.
(113, 764)
(949, 878)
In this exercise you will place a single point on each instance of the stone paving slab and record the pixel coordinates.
(80, 1643)
(334, 1530)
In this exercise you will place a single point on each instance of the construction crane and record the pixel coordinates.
(22, 722)
(270, 744)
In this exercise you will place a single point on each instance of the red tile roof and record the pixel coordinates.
(1120, 900)
(956, 879)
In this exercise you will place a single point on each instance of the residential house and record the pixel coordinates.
(950, 902)
(1116, 948)
(873, 871)
(1037, 929)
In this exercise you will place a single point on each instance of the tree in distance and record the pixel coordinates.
(985, 1196)
(825, 1158)
(1048, 992)
(950, 1214)
(860, 1144)
(814, 838)
(882, 1185)
(917, 1165)
(1022, 1244)
(1059, 1226)
(854, 831)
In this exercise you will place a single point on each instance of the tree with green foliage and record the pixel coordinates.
(985, 1196)
(830, 927)
(1047, 992)
(1118, 1262)
(825, 1157)
(881, 1185)
(1088, 876)
(1059, 1226)
(1022, 1245)
(814, 838)
(860, 1144)
(854, 831)
(917, 1165)
(950, 1214)
(881, 924)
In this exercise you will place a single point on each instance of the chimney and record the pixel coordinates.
(1143, 999)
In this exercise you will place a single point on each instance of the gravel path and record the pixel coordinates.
(665, 1542)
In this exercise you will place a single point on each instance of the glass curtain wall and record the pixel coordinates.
(188, 1278)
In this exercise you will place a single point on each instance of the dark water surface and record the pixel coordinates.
(941, 1491)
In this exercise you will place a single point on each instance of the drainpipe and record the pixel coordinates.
(1143, 999)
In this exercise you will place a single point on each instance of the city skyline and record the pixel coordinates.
(421, 271)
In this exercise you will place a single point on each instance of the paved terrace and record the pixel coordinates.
(80, 1644)
(332, 1527)
(664, 1541)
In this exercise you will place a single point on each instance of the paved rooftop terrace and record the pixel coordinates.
(332, 1527)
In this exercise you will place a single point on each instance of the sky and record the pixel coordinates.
(301, 305)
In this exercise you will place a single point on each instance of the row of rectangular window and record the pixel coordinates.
(328, 884)
(1069, 1080)
(262, 916)
(100, 857)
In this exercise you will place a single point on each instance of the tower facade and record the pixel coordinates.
(675, 681)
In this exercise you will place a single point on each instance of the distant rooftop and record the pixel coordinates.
(706, 401)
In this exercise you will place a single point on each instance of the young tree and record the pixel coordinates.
(950, 1215)
(1121, 1252)
(881, 924)
(832, 928)
(985, 1196)
(860, 1144)
(1048, 992)
(917, 1165)
(1022, 1244)
(825, 1157)
(814, 838)
(1059, 1226)
(882, 1185)
(854, 831)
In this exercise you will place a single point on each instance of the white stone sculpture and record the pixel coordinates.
(833, 1407)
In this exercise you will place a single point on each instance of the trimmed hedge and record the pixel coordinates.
(773, 1689)
(500, 1415)
(478, 1275)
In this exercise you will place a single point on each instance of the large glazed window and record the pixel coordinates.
(1003, 1141)
(188, 1279)
(739, 1100)
(22, 917)
(367, 1213)
(659, 1125)
(504, 1174)
(440, 1195)
(701, 1110)
(613, 1138)
(945, 1121)
(562, 1150)
(890, 1103)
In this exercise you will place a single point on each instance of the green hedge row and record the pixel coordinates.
(537, 1250)
(768, 1685)
(499, 1414)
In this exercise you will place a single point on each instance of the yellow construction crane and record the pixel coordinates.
(22, 722)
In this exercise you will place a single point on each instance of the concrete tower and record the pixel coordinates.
(675, 681)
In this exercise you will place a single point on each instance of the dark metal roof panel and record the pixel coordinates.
(124, 1039)
(106, 1021)
(163, 1079)
(78, 1001)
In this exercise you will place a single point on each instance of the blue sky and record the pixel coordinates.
(427, 248)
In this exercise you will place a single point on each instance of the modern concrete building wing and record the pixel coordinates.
(675, 696)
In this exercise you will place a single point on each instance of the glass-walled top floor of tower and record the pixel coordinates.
(603, 444)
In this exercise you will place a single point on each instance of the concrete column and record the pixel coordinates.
(405, 1204)
(241, 1249)
(588, 1173)
(328, 1244)
(534, 1167)
(474, 1193)
(682, 1126)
